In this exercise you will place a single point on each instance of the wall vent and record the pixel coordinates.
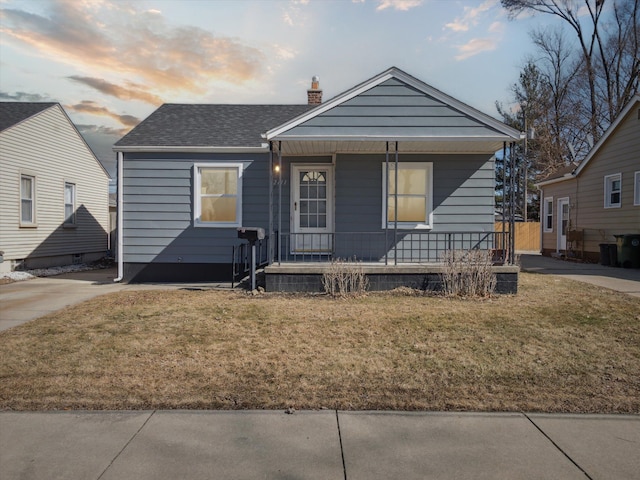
(77, 258)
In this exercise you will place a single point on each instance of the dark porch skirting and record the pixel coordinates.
(176, 272)
(308, 277)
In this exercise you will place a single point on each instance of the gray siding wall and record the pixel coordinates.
(158, 208)
(463, 201)
(463, 192)
(158, 201)
(391, 109)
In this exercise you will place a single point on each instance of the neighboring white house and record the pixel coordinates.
(54, 206)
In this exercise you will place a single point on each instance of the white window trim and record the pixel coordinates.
(636, 189)
(547, 201)
(33, 222)
(428, 223)
(608, 179)
(197, 197)
(64, 202)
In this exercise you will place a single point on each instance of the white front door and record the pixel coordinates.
(563, 223)
(312, 208)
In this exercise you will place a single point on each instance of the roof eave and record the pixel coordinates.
(388, 138)
(565, 177)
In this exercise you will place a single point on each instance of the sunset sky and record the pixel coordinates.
(110, 63)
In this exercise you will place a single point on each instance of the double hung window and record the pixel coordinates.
(69, 203)
(548, 214)
(218, 196)
(27, 200)
(409, 197)
(613, 190)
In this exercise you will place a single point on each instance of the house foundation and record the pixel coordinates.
(308, 277)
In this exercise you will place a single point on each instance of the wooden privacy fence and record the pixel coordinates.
(527, 235)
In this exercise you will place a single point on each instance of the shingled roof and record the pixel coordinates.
(12, 113)
(209, 125)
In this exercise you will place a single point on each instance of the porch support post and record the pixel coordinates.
(504, 200)
(280, 174)
(271, 239)
(512, 205)
(386, 209)
(395, 214)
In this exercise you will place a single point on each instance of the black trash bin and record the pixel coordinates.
(613, 255)
(628, 250)
(604, 254)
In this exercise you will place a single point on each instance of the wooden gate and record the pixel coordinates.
(527, 235)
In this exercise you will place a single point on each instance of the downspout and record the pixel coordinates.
(543, 216)
(119, 220)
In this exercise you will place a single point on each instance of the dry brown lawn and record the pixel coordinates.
(557, 346)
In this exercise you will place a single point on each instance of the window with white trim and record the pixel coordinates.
(613, 190)
(636, 189)
(414, 195)
(218, 195)
(69, 203)
(548, 214)
(27, 200)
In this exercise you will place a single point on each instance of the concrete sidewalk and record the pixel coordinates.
(623, 280)
(317, 445)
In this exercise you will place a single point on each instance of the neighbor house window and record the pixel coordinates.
(414, 195)
(612, 190)
(27, 200)
(69, 204)
(548, 214)
(636, 189)
(218, 197)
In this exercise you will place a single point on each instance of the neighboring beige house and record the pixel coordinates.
(587, 205)
(53, 190)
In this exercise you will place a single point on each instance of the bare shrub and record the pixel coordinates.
(468, 273)
(345, 277)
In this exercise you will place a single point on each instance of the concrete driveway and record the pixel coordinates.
(30, 299)
(27, 300)
(625, 280)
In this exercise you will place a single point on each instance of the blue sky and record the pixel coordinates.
(110, 63)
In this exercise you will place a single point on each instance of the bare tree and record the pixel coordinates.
(608, 47)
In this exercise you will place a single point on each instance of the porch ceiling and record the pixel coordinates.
(441, 146)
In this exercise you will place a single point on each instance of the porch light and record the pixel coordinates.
(276, 169)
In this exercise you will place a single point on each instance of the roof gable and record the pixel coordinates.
(628, 109)
(12, 113)
(393, 106)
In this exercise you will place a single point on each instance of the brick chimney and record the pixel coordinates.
(314, 94)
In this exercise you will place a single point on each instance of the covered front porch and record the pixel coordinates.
(391, 174)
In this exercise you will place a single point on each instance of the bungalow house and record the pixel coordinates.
(391, 173)
(586, 206)
(53, 190)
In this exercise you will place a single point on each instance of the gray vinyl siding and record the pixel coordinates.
(463, 198)
(391, 109)
(463, 192)
(158, 208)
(48, 147)
(619, 154)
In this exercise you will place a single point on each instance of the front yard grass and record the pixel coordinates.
(557, 346)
